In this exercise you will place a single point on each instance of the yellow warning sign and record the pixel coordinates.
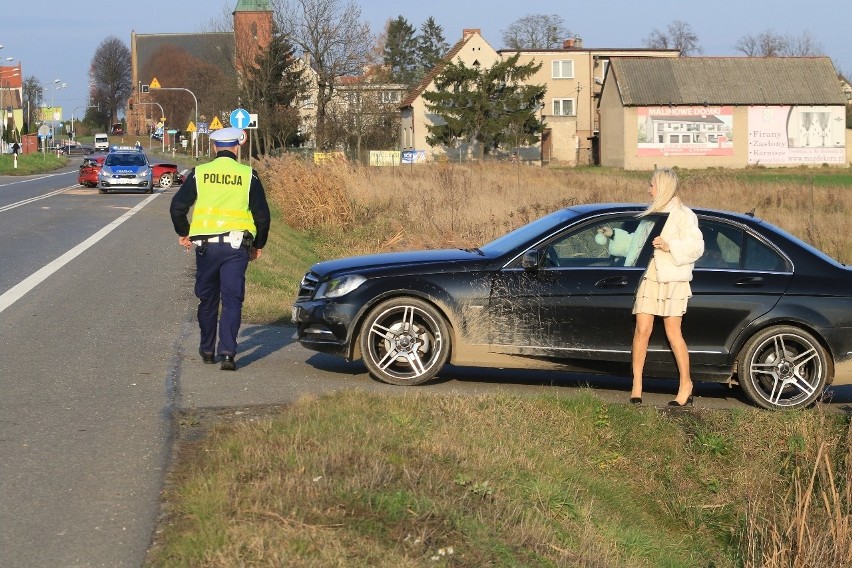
(215, 124)
(190, 127)
(154, 84)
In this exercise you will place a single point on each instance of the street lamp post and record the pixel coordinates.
(196, 109)
(162, 114)
(72, 118)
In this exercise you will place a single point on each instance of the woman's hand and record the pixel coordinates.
(660, 243)
(606, 231)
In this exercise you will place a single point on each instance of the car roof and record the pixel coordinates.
(587, 208)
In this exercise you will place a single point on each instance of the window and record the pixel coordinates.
(760, 257)
(604, 64)
(563, 69)
(388, 97)
(587, 248)
(723, 245)
(563, 107)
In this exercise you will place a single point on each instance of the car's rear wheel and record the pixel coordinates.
(405, 341)
(166, 180)
(784, 367)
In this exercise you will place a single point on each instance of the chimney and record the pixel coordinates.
(568, 43)
(467, 32)
(578, 42)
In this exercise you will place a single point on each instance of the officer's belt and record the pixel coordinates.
(223, 239)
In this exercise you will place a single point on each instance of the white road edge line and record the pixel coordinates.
(36, 198)
(19, 290)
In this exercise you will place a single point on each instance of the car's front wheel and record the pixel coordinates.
(784, 367)
(166, 181)
(405, 341)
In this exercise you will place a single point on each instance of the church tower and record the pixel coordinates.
(252, 30)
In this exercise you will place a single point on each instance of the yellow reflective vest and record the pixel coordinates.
(222, 204)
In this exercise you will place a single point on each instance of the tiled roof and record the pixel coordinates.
(430, 76)
(726, 81)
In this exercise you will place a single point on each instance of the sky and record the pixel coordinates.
(56, 39)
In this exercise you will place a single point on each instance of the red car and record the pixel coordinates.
(89, 169)
(165, 175)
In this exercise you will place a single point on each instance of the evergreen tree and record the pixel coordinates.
(401, 51)
(274, 86)
(491, 107)
(431, 46)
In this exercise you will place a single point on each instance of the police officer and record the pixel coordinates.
(230, 224)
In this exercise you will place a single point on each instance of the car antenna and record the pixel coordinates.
(751, 213)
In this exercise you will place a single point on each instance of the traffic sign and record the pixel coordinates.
(240, 118)
(202, 128)
(154, 84)
(252, 125)
(216, 124)
(190, 127)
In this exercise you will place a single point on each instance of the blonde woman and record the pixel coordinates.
(664, 288)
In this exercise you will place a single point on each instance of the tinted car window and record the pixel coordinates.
(760, 257)
(723, 245)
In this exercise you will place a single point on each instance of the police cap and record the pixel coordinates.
(227, 136)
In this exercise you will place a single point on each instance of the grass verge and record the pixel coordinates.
(354, 479)
(29, 164)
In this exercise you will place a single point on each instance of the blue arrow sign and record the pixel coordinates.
(240, 118)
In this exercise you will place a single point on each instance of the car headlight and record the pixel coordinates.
(145, 173)
(337, 287)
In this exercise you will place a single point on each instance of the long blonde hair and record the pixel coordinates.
(666, 180)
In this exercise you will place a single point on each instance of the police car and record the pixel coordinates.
(125, 167)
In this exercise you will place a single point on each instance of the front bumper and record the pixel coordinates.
(324, 326)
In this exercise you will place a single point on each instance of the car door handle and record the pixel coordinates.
(613, 282)
(750, 282)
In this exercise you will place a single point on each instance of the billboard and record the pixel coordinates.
(797, 135)
(685, 131)
(49, 114)
(384, 157)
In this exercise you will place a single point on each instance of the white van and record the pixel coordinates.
(101, 143)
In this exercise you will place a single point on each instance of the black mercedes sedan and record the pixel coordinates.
(768, 312)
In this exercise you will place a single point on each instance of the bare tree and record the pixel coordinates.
(536, 31)
(771, 44)
(33, 92)
(112, 82)
(678, 35)
(338, 42)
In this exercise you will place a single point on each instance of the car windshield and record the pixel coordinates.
(125, 160)
(529, 232)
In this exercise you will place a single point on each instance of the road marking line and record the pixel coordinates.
(35, 178)
(19, 290)
(32, 199)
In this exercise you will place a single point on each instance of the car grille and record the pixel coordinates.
(308, 286)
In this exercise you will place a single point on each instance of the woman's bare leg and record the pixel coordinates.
(681, 355)
(641, 336)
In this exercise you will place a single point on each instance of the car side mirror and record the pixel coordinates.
(530, 260)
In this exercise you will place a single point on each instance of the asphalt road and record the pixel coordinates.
(98, 351)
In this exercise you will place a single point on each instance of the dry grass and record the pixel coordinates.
(450, 205)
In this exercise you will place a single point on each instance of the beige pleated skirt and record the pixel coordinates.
(661, 298)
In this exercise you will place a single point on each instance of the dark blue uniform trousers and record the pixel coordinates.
(220, 275)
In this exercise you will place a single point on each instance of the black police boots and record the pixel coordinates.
(228, 363)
